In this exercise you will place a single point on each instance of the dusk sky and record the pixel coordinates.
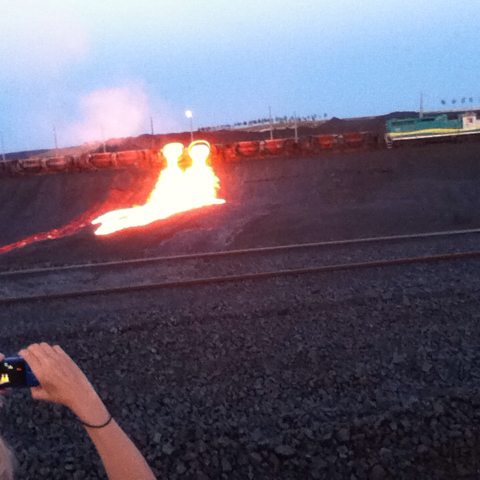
(88, 66)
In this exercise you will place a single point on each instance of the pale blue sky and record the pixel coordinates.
(84, 65)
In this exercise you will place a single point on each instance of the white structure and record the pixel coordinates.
(470, 121)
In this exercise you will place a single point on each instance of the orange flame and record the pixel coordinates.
(175, 191)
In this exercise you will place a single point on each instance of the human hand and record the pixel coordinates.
(61, 380)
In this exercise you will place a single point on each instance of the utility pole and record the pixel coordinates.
(271, 126)
(3, 147)
(151, 131)
(55, 139)
(103, 140)
(421, 106)
(296, 127)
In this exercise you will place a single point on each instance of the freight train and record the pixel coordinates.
(396, 132)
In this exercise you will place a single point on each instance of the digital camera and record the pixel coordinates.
(15, 372)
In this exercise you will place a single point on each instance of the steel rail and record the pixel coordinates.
(240, 278)
(231, 253)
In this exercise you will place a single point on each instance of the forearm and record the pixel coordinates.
(120, 457)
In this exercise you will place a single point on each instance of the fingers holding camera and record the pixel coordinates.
(33, 357)
(59, 350)
(42, 353)
(46, 350)
(61, 380)
(30, 357)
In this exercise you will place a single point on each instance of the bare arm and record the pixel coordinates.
(63, 382)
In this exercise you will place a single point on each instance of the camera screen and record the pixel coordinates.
(12, 374)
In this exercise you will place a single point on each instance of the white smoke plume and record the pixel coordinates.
(111, 113)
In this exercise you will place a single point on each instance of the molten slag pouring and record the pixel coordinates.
(175, 191)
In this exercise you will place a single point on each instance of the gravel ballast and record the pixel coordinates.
(89, 277)
(365, 375)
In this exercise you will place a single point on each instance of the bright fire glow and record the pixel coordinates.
(175, 191)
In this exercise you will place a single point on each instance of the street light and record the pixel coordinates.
(189, 114)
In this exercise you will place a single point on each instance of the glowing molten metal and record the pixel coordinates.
(176, 191)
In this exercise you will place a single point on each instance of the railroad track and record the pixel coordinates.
(235, 266)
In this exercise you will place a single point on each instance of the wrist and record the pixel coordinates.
(90, 409)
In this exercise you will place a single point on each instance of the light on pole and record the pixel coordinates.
(189, 114)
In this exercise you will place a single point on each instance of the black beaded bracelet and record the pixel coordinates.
(98, 426)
